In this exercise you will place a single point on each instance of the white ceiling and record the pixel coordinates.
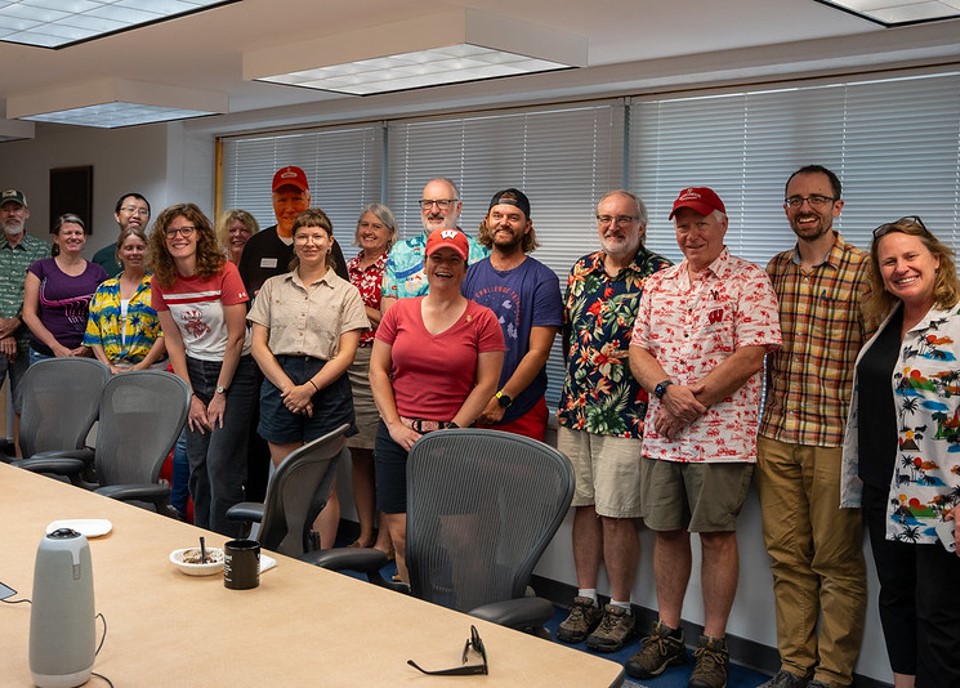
(633, 45)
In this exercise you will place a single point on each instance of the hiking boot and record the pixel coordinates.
(785, 679)
(658, 650)
(584, 617)
(713, 661)
(614, 629)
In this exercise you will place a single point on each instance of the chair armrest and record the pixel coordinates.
(85, 455)
(519, 613)
(248, 512)
(363, 559)
(146, 492)
(72, 467)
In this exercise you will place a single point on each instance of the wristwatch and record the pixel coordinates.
(503, 399)
(221, 389)
(661, 388)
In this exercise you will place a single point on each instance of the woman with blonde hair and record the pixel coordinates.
(234, 229)
(201, 302)
(900, 458)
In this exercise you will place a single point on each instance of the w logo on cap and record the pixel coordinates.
(448, 233)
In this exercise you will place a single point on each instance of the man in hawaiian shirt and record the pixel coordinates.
(701, 334)
(601, 419)
(440, 208)
(17, 251)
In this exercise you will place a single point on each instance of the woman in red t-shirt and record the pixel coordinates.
(436, 362)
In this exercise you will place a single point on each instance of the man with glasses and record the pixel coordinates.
(17, 251)
(131, 210)
(702, 330)
(816, 547)
(440, 208)
(601, 416)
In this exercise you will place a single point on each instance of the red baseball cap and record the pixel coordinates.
(291, 175)
(448, 238)
(702, 199)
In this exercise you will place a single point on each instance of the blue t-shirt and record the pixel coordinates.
(525, 297)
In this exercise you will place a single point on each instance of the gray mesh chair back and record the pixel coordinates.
(61, 397)
(482, 506)
(298, 490)
(141, 415)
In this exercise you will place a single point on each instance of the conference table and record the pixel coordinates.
(302, 625)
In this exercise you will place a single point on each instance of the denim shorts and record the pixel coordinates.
(332, 405)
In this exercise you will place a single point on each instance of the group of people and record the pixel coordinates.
(660, 405)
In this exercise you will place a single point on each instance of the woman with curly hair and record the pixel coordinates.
(201, 302)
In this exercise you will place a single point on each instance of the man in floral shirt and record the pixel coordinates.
(601, 419)
(702, 331)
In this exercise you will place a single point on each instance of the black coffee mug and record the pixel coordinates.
(241, 564)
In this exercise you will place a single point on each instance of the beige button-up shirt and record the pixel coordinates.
(308, 319)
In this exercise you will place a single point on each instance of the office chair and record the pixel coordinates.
(141, 416)
(297, 492)
(61, 398)
(482, 506)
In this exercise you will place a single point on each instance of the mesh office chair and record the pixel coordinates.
(61, 398)
(297, 492)
(482, 506)
(141, 416)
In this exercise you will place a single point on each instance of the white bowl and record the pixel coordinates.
(178, 557)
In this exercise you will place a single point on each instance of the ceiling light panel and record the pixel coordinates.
(60, 23)
(899, 12)
(114, 115)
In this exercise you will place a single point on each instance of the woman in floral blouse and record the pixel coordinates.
(903, 449)
(376, 233)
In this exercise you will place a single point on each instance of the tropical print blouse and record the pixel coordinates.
(599, 393)
(125, 340)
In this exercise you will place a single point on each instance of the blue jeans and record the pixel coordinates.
(180, 488)
(218, 457)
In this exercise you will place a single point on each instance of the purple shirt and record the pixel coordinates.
(64, 302)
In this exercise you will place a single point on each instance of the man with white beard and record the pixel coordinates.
(17, 251)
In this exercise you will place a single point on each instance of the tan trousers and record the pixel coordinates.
(818, 568)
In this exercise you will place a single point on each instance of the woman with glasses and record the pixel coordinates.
(436, 362)
(123, 329)
(376, 233)
(306, 325)
(201, 302)
(901, 448)
(57, 293)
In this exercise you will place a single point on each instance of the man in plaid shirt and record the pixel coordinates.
(817, 548)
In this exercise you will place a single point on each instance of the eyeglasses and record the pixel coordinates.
(185, 232)
(815, 201)
(133, 210)
(473, 642)
(621, 220)
(442, 203)
(888, 227)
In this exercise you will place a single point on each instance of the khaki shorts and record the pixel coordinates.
(699, 497)
(607, 471)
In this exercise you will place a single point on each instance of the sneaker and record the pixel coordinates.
(658, 650)
(785, 679)
(615, 628)
(713, 661)
(584, 616)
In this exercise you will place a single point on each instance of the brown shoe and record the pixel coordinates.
(713, 664)
(615, 628)
(584, 616)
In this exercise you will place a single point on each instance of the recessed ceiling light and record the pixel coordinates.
(460, 45)
(899, 12)
(114, 115)
(58, 24)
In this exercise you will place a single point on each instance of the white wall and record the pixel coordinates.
(175, 163)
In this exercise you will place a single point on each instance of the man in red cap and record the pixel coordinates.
(268, 253)
(697, 347)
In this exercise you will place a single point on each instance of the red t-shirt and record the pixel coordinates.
(434, 374)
